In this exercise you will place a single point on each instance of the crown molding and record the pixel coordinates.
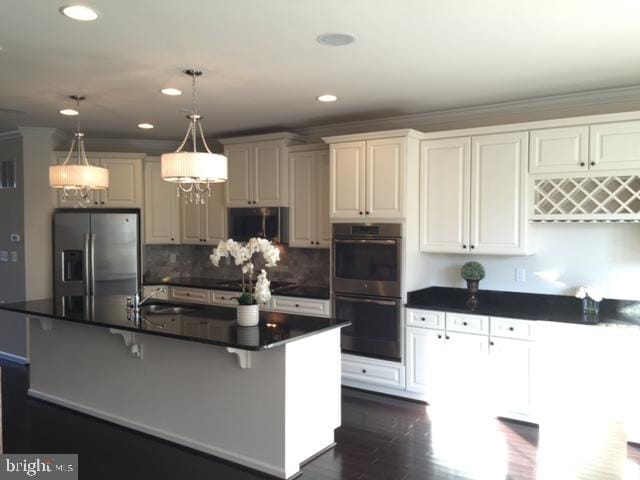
(130, 145)
(262, 137)
(10, 135)
(539, 108)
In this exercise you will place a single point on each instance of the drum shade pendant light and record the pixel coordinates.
(76, 177)
(191, 170)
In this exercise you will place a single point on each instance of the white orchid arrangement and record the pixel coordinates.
(243, 257)
(594, 293)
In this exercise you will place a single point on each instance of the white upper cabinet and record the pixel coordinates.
(161, 206)
(269, 174)
(615, 146)
(205, 224)
(559, 150)
(473, 194)
(369, 174)
(498, 194)
(348, 179)
(309, 192)
(385, 185)
(240, 166)
(258, 170)
(445, 171)
(126, 183)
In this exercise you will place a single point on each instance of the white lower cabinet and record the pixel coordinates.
(361, 371)
(510, 363)
(425, 352)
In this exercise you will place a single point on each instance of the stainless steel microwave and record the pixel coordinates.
(271, 223)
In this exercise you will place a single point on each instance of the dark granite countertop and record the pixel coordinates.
(213, 325)
(298, 291)
(528, 306)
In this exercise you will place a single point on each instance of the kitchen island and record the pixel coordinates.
(267, 397)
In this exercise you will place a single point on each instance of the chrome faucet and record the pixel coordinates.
(136, 302)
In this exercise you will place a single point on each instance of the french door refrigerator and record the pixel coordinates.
(96, 252)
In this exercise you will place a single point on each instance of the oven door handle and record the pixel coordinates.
(389, 303)
(360, 241)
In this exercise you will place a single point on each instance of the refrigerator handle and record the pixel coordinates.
(87, 269)
(93, 264)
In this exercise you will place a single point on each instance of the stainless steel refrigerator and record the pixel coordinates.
(96, 252)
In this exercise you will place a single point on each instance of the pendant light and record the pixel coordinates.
(191, 170)
(78, 178)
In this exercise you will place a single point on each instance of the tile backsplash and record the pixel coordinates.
(304, 266)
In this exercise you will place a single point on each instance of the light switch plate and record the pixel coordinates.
(14, 257)
(172, 258)
(521, 275)
(4, 256)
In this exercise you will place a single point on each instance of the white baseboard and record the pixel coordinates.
(156, 432)
(387, 391)
(14, 358)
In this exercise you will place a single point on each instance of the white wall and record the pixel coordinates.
(567, 256)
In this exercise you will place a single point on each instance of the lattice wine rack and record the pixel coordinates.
(587, 199)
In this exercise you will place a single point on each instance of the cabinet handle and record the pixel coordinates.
(297, 305)
(360, 213)
(366, 213)
(439, 336)
(491, 343)
(95, 203)
(423, 319)
(511, 329)
(311, 243)
(317, 243)
(464, 247)
(101, 203)
(188, 294)
(593, 164)
(254, 202)
(464, 323)
(582, 164)
(364, 370)
(447, 337)
(172, 239)
(472, 247)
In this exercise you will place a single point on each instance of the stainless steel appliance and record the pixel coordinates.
(367, 285)
(96, 252)
(271, 223)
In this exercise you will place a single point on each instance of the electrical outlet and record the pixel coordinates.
(172, 258)
(521, 275)
(4, 256)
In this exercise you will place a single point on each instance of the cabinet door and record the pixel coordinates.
(444, 195)
(125, 183)
(425, 362)
(239, 190)
(466, 367)
(302, 190)
(161, 207)
(385, 178)
(510, 371)
(347, 171)
(269, 174)
(498, 193)
(215, 216)
(615, 146)
(554, 150)
(192, 220)
(323, 226)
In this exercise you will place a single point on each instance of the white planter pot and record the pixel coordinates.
(248, 315)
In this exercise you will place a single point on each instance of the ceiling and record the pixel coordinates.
(263, 67)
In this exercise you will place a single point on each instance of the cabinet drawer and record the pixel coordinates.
(425, 319)
(511, 328)
(219, 297)
(194, 295)
(163, 294)
(303, 306)
(459, 322)
(373, 372)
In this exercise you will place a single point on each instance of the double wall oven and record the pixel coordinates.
(367, 260)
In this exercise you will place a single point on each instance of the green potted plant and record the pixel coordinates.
(472, 272)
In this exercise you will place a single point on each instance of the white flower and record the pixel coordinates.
(593, 293)
(262, 294)
(247, 268)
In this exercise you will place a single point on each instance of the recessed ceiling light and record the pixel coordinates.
(146, 126)
(171, 91)
(69, 111)
(82, 13)
(335, 39)
(327, 98)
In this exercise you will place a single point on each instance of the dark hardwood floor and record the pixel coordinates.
(381, 438)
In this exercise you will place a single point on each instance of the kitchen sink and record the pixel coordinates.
(168, 309)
